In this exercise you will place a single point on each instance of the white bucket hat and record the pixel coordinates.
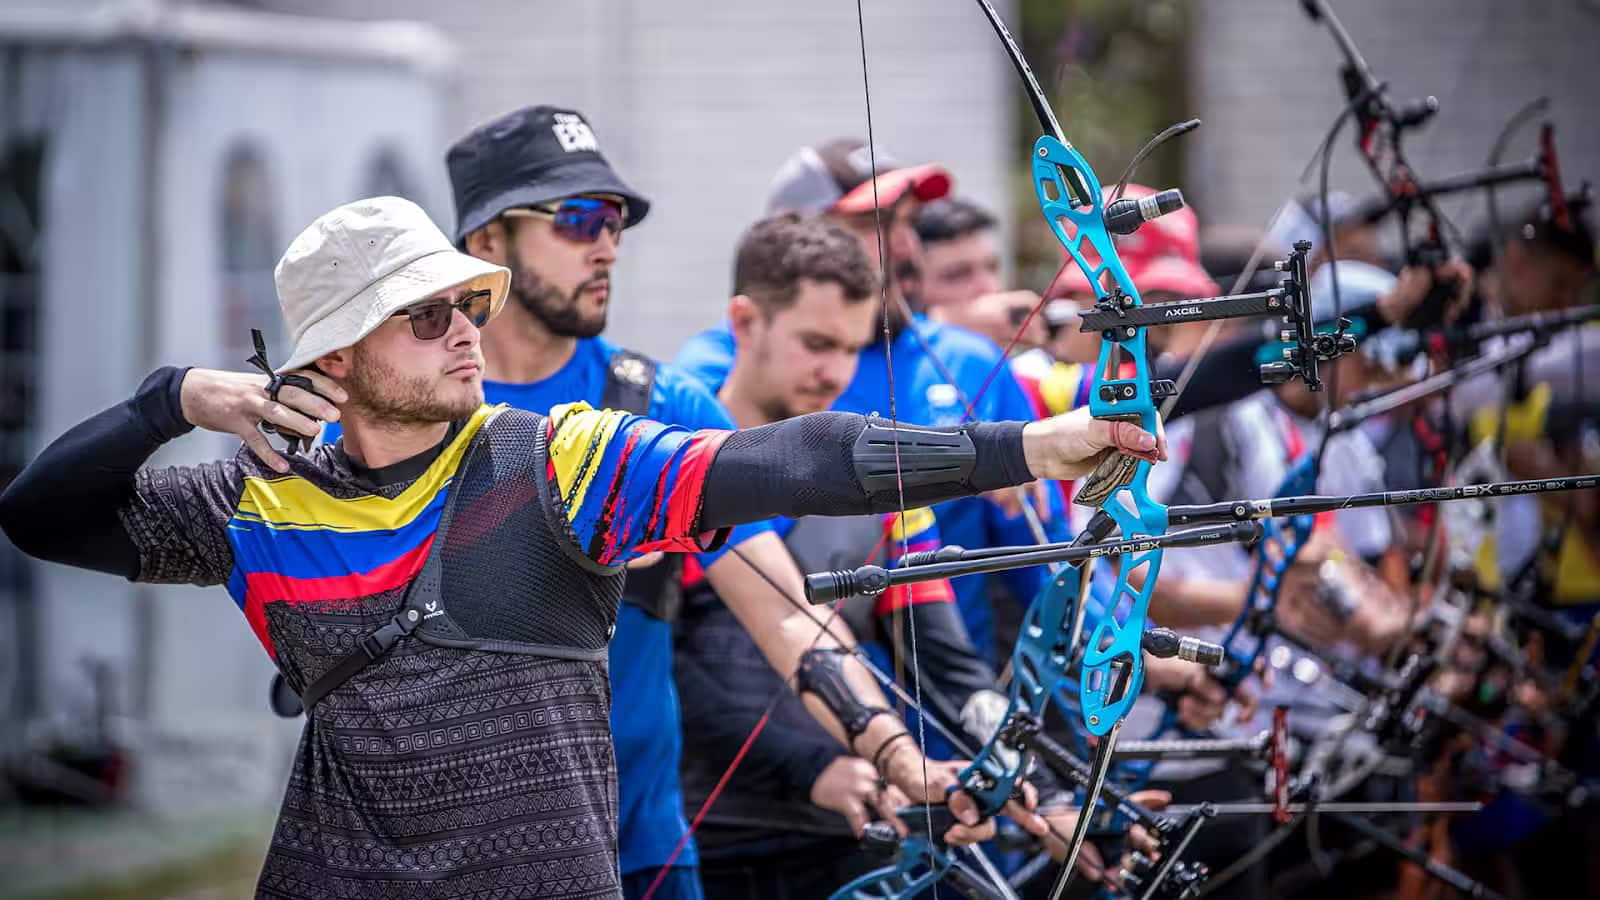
(356, 266)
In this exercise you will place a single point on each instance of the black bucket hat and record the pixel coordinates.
(534, 155)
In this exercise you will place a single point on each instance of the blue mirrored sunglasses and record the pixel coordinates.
(579, 219)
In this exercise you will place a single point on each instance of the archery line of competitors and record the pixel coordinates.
(733, 705)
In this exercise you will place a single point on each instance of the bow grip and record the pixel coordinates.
(880, 839)
(1117, 470)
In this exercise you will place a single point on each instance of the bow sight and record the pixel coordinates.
(1541, 167)
(1118, 318)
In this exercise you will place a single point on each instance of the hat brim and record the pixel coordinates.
(417, 280)
(1069, 281)
(1176, 275)
(928, 182)
(589, 176)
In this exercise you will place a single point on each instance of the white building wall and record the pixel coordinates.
(698, 101)
(318, 124)
(1264, 79)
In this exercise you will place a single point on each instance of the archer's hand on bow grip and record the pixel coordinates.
(1075, 444)
(972, 817)
(1117, 469)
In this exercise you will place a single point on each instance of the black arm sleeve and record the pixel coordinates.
(64, 506)
(805, 466)
(1227, 373)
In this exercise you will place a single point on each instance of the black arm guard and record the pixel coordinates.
(822, 673)
(887, 457)
(839, 464)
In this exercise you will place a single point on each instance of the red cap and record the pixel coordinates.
(1163, 255)
(1068, 282)
(928, 182)
(1175, 274)
(1176, 233)
(838, 176)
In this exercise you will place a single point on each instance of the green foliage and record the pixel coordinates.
(1114, 71)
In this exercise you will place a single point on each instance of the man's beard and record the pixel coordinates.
(891, 317)
(897, 302)
(559, 313)
(776, 409)
(908, 276)
(390, 397)
(774, 405)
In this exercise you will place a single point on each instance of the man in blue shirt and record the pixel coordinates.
(786, 821)
(534, 194)
(939, 370)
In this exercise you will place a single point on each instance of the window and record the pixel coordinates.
(21, 171)
(250, 248)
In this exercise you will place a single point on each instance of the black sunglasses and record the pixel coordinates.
(430, 319)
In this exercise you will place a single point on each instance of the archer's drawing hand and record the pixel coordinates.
(1072, 444)
(237, 402)
(1415, 282)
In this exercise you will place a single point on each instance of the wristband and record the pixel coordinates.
(878, 758)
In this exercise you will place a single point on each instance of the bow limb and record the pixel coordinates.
(1071, 202)
(917, 866)
(1280, 545)
(1492, 205)
(1283, 540)
(993, 774)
